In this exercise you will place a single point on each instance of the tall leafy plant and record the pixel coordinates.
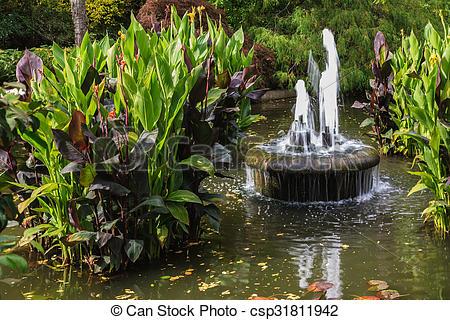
(420, 110)
(116, 161)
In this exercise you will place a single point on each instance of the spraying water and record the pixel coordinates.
(302, 132)
(313, 73)
(329, 91)
(309, 164)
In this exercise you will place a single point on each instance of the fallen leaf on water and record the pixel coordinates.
(255, 297)
(175, 278)
(291, 296)
(377, 285)
(388, 294)
(345, 246)
(165, 277)
(205, 286)
(262, 264)
(123, 297)
(225, 293)
(367, 298)
(320, 286)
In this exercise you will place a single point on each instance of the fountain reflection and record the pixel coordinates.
(310, 256)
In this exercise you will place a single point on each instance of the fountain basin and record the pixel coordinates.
(312, 177)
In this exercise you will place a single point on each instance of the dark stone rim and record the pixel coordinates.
(361, 158)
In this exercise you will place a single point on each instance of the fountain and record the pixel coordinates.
(308, 165)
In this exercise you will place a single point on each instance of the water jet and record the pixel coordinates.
(309, 165)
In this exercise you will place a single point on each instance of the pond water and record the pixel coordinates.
(270, 248)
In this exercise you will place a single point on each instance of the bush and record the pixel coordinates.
(109, 15)
(421, 92)
(125, 132)
(292, 28)
(32, 23)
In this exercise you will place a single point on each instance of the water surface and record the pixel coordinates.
(270, 248)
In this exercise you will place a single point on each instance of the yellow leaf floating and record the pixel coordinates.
(205, 286)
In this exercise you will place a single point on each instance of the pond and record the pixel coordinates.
(270, 248)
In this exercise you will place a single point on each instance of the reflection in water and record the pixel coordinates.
(315, 258)
(310, 256)
(270, 248)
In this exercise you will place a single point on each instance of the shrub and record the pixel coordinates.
(32, 23)
(109, 15)
(410, 109)
(292, 28)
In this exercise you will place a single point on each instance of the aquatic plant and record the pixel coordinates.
(381, 95)
(113, 180)
(11, 118)
(421, 96)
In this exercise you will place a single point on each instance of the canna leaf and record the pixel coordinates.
(133, 249)
(14, 262)
(200, 163)
(179, 212)
(183, 196)
(66, 148)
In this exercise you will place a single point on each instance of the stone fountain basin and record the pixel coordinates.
(312, 177)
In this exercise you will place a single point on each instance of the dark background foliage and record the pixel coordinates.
(290, 28)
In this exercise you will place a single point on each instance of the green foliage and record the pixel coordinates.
(33, 23)
(421, 84)
(125, 137)
(109, 15)
(292, 28)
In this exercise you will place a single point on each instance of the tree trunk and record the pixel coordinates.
(79, 18)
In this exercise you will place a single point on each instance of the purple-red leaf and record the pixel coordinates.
(76, 133)
(29, 67)
(378, 44)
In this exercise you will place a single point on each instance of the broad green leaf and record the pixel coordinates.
(183, 196)
(200, 163)
(418, 187)
(87, 175)
(42, 190)
(81, 236)
(152, 201)
(179, 212)
(14, 262)
(133, 249)
(162, 234)
(367, 122)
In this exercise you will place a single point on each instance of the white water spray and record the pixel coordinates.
(329, 90)
(302, 132)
